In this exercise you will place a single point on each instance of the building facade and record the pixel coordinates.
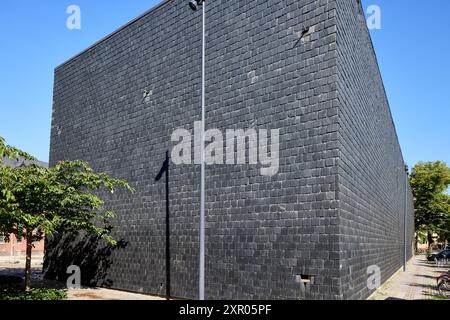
(334, 210)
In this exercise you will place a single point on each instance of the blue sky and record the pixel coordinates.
(413, 49)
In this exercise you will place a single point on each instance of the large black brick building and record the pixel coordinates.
(336, 205)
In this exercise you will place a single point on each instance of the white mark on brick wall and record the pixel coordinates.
(252, 76)
(73, 22)
(147, 95)
(374, 279)
(58, 129)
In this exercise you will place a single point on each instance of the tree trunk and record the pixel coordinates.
(28, 261)
(416, 243)
(430, 239)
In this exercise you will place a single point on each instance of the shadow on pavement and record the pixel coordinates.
(426, 276)
(37, 280)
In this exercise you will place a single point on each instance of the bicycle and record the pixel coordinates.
(443, 284)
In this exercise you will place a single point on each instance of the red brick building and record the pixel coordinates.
(18, 247)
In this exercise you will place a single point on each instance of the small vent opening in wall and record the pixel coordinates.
(306, 279)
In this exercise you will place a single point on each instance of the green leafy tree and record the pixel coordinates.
(10, 152)
(429, 182)
(7, 151)
(40, 200)
(443, 225)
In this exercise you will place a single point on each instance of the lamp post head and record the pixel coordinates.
(194, 4)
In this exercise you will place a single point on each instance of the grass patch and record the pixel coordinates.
(11, 289)
(34, 294)
(439, 298)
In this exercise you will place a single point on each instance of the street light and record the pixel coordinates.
(405, 217)
(194, 5)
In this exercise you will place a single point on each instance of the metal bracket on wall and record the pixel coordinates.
(146, 96)
(305, 33)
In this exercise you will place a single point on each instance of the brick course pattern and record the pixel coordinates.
(336, 205)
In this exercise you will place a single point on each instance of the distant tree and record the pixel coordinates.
(7, 151)
(36, 200)
(443, 226)
(429, 182)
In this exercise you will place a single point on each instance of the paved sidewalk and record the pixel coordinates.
(417, 283)
(106, 294)
(14, 266)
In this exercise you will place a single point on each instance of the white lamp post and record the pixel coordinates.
(194, 5)
(405, 219)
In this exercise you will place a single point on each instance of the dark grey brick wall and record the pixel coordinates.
(371, 168)
(262, 231)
